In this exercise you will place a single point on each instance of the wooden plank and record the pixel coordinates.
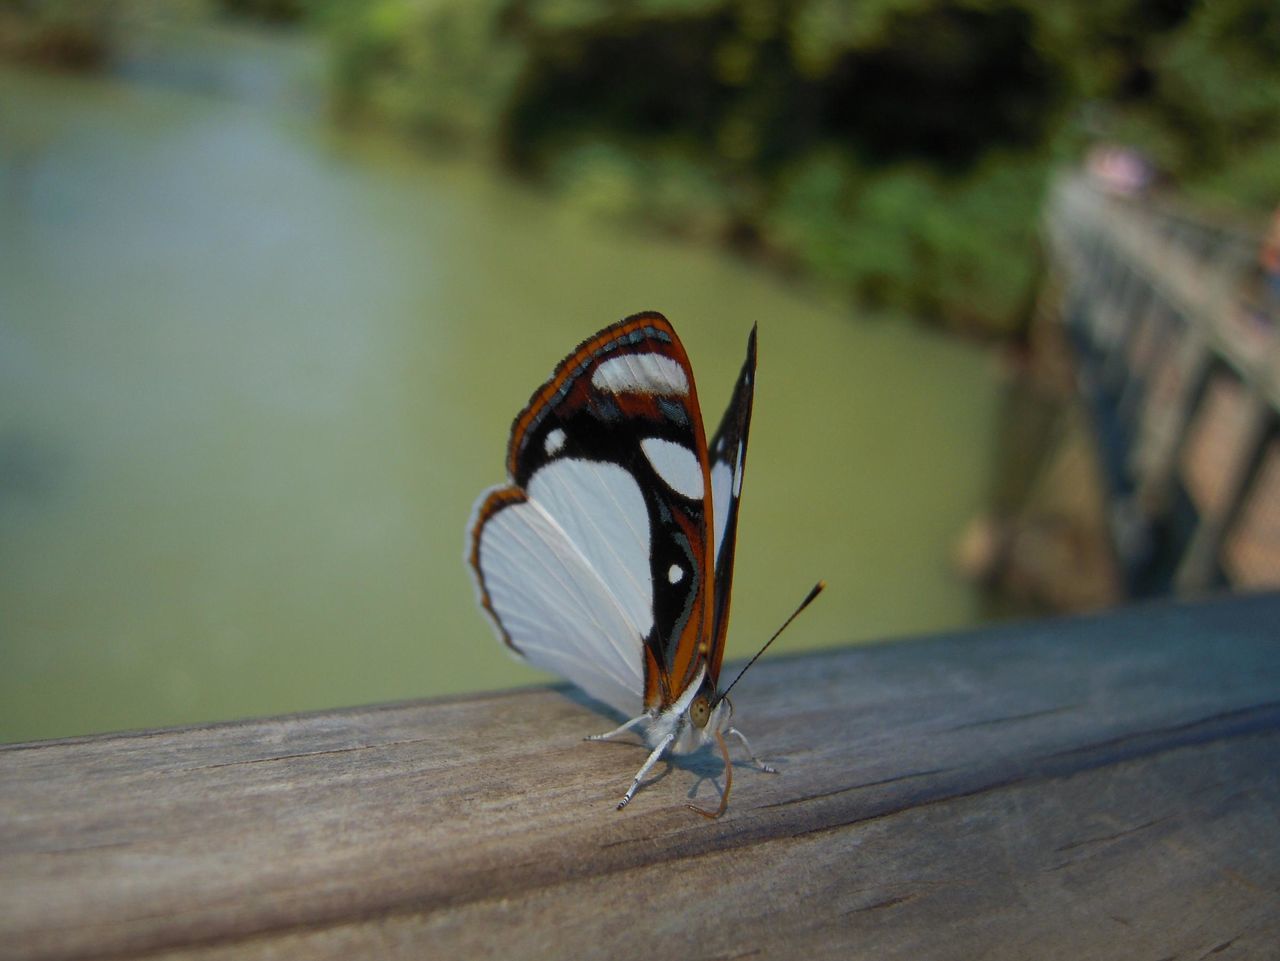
(1101, 787)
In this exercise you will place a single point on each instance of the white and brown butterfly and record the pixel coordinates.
(608, 558)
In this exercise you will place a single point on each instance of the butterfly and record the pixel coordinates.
(608, 557)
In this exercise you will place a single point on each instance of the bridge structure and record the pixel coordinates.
(1175, 338)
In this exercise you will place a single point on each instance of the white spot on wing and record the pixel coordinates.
(641, 374)
(737, 471)
(554, 441)
(675, 574)
(676, 465)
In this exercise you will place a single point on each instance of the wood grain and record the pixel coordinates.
(1103, 787)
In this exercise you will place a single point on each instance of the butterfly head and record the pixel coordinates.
(708, 712)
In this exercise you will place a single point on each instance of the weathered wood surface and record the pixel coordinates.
(1104, 788)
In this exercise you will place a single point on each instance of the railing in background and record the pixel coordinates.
(1177, 344)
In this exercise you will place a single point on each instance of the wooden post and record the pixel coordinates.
(1167, 424)
(1199, 564)
(1088, 788)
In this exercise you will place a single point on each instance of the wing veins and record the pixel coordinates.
(605, 589)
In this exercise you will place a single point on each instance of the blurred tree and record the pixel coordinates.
(894, 149)
(70, 34)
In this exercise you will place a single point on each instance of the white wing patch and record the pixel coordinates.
(599, 507)
(556, 608)
(641, 374)
(676, 465)
(722, 485)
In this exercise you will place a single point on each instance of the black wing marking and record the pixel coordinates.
(623, 397)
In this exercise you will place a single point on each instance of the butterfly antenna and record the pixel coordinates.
(817, 589)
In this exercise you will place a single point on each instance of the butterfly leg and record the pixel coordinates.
(644, 769)
(728, 785)
(620, 729)
(767, 768)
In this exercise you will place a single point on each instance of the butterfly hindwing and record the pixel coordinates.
(606, 521)
(549, 604)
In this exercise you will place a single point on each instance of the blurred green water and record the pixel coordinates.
(253, 373)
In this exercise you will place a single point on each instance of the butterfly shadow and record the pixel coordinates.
(707, 765)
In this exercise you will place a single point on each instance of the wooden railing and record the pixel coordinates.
(1086, 788)
(1178, 344)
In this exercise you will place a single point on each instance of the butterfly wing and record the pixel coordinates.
(728, 457)
(549, 604)
(593, 563)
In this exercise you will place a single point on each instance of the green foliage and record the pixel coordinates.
(666, 189)
(561, 15)
(906, 238)
(436, 67)
(271, 11)
(821, 32)
(811, 217)
(1220, 78)
(1251, 179)
(983, 241)
(894, 150)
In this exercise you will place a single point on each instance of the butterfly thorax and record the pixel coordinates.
(697, 704)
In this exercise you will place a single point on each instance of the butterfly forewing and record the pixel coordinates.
(728, 457)
(609, 470)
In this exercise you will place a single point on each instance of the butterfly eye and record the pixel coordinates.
(699, 711)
